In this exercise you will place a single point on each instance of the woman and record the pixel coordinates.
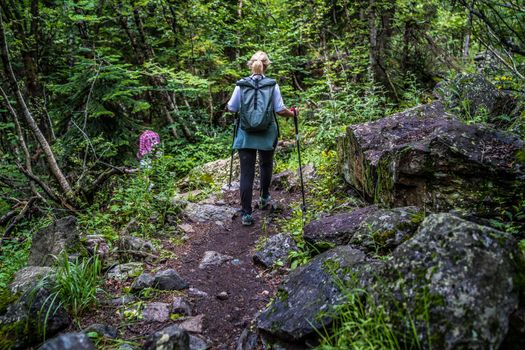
(248, 96)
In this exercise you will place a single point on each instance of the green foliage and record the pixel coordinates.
(361, 322)
(76, 283)
(144, 197)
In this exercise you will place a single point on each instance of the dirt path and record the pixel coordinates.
(249, 287)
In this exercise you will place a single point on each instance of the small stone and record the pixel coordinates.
(169, 280)
(222, 296)
(275, 249)
(197, 343)
(265, 293)
(187, 228)
(172, 337)
(132, 243)
(236, 262)
(125, 347)
(122, 300)
(180, 306)
(212, 258)
(234, 186)
(156, 312)
(197, 293)
(193, 324)
(102, 329)
(97, 245)
(69, 341)
(144, 281)
(208, 212)
(123, 271)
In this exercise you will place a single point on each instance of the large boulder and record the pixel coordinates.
(385, 229)
(428, 158)
(60, 236)
(458, 280)
(308, 293)
(336, 229)
(455, 283)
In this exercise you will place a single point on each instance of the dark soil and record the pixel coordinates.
(249, 287)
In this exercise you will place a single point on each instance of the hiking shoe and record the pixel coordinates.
(264, 202)
(247, 219)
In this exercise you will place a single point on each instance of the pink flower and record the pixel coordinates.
(147, 142)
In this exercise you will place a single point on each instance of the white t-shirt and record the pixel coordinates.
(235, 101)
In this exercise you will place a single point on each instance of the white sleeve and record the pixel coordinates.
(278, 104)
(235, 101)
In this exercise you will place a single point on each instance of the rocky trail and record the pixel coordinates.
(225, 288)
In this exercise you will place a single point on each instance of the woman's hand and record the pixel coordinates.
(289, 112)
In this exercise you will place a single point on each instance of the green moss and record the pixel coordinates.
(6, 298)
(282, 295)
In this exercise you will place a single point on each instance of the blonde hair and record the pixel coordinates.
(259, 62)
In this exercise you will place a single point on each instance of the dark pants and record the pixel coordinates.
(247, 157)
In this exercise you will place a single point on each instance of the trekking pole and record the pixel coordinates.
(233, 151)
(303, 207)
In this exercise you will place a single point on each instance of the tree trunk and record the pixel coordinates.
(51, 160)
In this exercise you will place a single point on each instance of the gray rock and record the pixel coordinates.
(194, 324)
(172, 337)
(215, 172)
(123, 271)
(23, 324)
(125, 347)
(212, 258)
(197, 343)
(208, 212)
(194, 292)
(60, 236)
(169, 280)
(222, 296)
(122, 300)
(136, 244)
(290, 180)
(28, 277)
(145, 280)
(472, 94)
(156, 312)
(306, 293)
(102, 329)
(97, 245)
(385, 229)
(180, 306)
(187, 228)
(468, 274)
(247, 340)
(337, 229)
(69, 341)
(428, 158)
(275, 249)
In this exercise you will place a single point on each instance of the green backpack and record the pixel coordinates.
(256, 112)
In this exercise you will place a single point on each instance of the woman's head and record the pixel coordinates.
(259, 62)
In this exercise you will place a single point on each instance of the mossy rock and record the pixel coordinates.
(28, 320)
